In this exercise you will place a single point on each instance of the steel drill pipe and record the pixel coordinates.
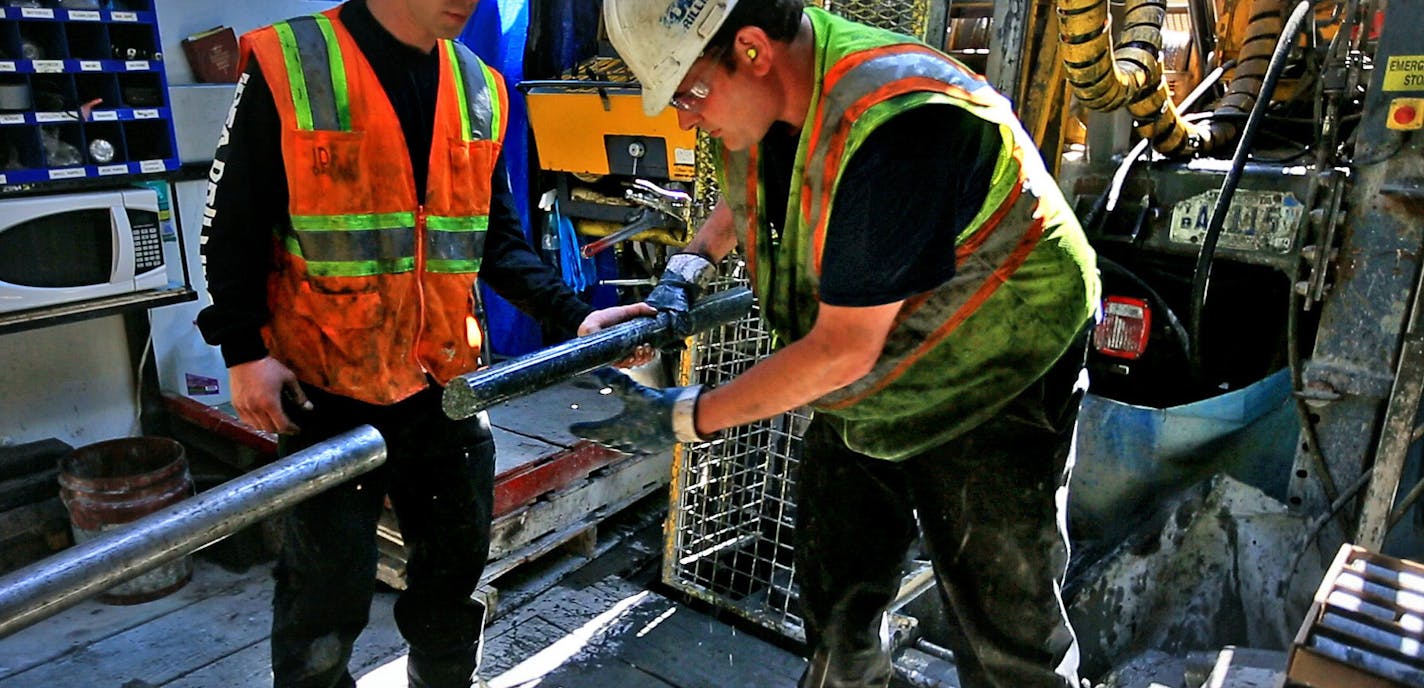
(57, 583)
(471, 393)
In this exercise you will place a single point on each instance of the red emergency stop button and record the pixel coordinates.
(1406, 114)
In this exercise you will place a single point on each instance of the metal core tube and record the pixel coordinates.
(471, 393)
(58, 582)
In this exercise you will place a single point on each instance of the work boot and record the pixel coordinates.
(454, 670)
(868, 668)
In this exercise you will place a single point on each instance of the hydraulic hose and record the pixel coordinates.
(1251, 64)
(1105, 79)
(1201, 276)
(1106, 202)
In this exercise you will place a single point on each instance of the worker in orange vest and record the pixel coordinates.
(356, 195)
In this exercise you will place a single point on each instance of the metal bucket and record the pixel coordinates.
(109, 484)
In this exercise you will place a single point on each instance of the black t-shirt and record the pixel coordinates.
(904, 197)
(248, 205)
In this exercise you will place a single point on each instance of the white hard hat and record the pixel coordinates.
(660, 39)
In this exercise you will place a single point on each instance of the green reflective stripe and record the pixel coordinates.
(316, 72)
(298, 82)
(339, 222)
(339, 91)
(323, 266)
(453, 246)
(492, 89)
(459, 70)
(457, 224)
(480, 93)
(452, 266)
(360, 269)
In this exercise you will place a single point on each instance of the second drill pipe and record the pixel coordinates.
(63, 580)
(471, 393)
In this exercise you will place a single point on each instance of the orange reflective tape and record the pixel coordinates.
(837, 149)
(754, 211)
(986, 290)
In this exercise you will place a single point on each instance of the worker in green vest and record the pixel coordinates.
(932, 292)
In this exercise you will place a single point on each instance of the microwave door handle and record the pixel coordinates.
(123, 265)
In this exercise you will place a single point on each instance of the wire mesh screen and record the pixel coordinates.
(909, 18)
(733, 509)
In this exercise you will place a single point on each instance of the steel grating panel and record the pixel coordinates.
(733, 508)
(909, 18)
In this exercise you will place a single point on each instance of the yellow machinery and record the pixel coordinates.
(619, 173)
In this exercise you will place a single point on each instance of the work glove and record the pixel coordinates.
(687, 274)
(652, 420)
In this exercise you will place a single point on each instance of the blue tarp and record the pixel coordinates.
(497, 33)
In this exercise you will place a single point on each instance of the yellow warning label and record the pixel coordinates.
(1404, 73)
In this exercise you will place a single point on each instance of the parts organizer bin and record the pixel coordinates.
(55, 60)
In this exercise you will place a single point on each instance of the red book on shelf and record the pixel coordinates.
(213, 55)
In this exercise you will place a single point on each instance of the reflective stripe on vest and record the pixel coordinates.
(998, 247)
(873, 76)
(867, 77)
(479, 113)
(365, 245)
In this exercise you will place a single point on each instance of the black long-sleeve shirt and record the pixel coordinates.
(248, 201)
(906, 195)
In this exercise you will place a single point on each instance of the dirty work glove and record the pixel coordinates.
(687, 274)
(651, 421)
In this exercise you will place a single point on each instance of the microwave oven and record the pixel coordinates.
(68, 248)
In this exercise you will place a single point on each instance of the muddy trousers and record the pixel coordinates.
(991, 507)
(439, 474)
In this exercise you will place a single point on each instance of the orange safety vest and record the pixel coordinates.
(373, 291)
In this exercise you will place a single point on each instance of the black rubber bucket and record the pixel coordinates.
(109, 484)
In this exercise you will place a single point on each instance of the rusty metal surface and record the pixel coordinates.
(1351, 371)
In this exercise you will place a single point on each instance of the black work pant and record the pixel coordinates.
(991, 507)
(439, 474)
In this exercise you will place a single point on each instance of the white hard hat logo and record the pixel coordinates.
(660, 39)
(683, 13)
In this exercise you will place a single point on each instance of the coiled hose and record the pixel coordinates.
(1105, 79)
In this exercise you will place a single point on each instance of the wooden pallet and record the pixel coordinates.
(576, 493)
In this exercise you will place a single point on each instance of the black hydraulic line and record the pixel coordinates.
(1202, 14)
(473, 392)
(1327, 104)
(1201, 276)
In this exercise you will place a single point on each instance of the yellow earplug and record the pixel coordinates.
(751, 53)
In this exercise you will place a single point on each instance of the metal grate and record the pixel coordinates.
(909, 18)
(733, 507)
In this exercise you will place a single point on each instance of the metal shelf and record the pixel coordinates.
(96, 308)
